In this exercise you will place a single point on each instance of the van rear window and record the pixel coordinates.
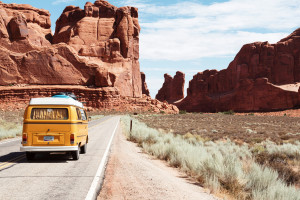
(49, 113)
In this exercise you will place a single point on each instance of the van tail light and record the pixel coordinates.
(24, 138)
(72, 138)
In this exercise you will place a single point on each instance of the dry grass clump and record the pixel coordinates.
(219, 166)
(9, 129)
(11, 123)
(285, 159)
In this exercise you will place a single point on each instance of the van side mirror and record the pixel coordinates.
(90, 119)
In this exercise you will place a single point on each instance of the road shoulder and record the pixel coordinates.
(131, 174)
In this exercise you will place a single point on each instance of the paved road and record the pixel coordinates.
(55, 176)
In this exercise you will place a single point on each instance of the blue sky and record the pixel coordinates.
(194, 35)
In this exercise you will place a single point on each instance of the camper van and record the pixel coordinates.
(55, 124)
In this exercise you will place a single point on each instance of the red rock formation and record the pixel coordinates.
(95, 46)
(106, 98)
(254, 80)
(144, 85)
(172, 89)
(109, 37)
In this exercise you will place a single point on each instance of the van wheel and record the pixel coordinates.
(75, 154)
(83, 149)
(30, 155)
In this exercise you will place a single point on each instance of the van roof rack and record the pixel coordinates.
(65, 95)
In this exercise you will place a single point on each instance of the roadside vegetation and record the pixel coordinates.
(10, 124)
(261, 170)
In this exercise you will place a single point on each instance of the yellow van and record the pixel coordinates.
(55, 124)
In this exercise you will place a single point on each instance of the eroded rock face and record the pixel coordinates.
(95, 46)
(105, 98)
(145, 90)
(100, 30)
(172, 89)
(254, 80)
(94, 54)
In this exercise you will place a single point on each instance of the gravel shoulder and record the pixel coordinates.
(131, 174)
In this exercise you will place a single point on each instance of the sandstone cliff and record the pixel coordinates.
(172, 89)
(94, 50)
(262, 77)
(106, 98)
(95, 46)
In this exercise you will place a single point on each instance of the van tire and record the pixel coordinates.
(30, 155)
(83, 149)
(75, 154)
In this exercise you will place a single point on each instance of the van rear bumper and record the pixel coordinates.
(47, 148)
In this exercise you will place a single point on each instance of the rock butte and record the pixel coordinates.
(262, 77)
(93, 53)
(172, 89)
(144, 85)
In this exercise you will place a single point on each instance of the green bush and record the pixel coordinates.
(229, 112)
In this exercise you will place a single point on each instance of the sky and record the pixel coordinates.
(194, 35)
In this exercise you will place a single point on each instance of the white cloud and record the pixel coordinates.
(56, 2)
(190, 30)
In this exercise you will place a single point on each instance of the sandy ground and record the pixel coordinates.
(291, 87)
(131, 174)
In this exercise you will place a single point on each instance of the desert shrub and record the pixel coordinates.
(256, 149)
(264, 184)
(229, 112)
(287, 149)
(279, 162)
(9, 130)
(182, 112)
(219, 165)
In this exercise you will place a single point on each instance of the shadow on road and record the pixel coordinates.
(9, 160)
(10, 156)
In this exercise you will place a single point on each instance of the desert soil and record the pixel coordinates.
(131, 174)
(250, 128)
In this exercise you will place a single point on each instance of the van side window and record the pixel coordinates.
(83, 116)
(78, 114)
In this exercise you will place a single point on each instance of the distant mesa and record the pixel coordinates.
(95, 50)
(262, 77)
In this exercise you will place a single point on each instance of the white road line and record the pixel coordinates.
(10, 140)
(95, 184)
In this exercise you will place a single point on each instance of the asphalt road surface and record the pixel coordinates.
(56, 176)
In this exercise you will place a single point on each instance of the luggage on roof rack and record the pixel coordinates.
(69, 94)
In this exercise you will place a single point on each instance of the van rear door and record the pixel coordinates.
(48, 126)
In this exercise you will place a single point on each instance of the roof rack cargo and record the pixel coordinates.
(65, 94)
